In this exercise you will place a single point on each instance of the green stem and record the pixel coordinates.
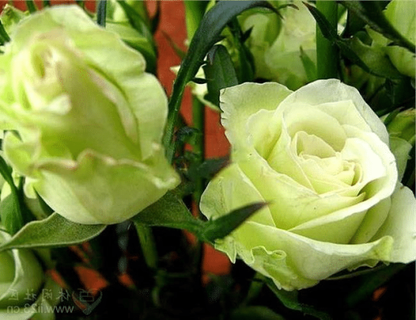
(327, 52)
(194, 12)
(101, 13)
(198, 119)
(148, 245)
(30, 4)
(255, 288)
(81, 3)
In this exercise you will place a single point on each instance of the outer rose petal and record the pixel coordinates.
(28, 274)
(296, 262)
(401, 150)
(401, 226)
(230, 190)
(243, 100)
(124, 187)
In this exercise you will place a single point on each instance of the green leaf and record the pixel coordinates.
(291, 301)
(371, 59)
(4, 37)
(101, 12)
(324, 25)
(155, 20)
(205, 37)
(309, 66)
(54, 231)
(11, 208)
(372, 281)
(171, 212)
(11, 217)
(194, 11)
(219, 73)
(354, 25)
(223, 226)
(246, 70)
(137, 21)
(372, 13)
(255, 312)
(210, 167)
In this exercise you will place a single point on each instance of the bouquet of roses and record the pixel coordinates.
(110, 202)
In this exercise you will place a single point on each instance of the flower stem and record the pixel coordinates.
(147, 243)
(327, 52)
(30, 4)
(255, 288)
(198, 119)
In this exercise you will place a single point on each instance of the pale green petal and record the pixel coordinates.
(263, 130)
(305, 117)
(401, 226)
(124, 187)
(310, 144)
(296, 262)
(291, 204)
(144, 95)
(238, 103)
(401, 150)
(283, 159)
(231, 190)
(374, 219)
(321, 93)
(381, 171)
(338, 230)
(99, 126)
(379, 180)
(28, 274)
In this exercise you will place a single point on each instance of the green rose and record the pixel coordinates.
(320, 157)
(402, 137)
(21, 282)
(402, 15)
(276, 43)
(85, 120)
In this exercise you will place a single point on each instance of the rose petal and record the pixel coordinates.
(231, 190)
(296, 262)
(401, 226)
(332, 90)
(238, 103)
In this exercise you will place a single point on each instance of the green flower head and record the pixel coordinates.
(85, 120)
(320, 157)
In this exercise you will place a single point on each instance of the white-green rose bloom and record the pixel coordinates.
(276, 43)
(86, 121)
(22, 280)
(320, 157)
